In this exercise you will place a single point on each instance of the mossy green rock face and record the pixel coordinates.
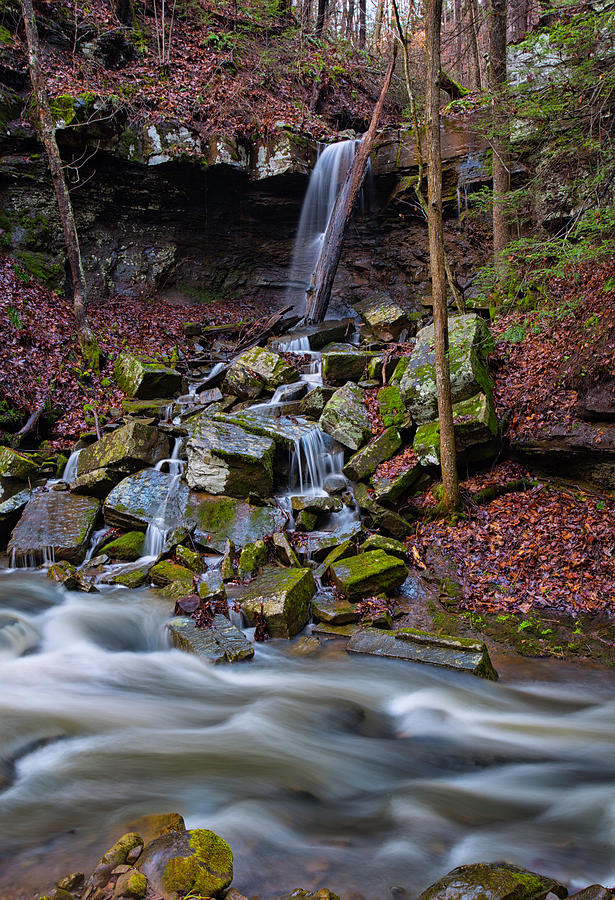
(285, 595)
(97, 483)
(166, 572)
(256, 370)
(392, 408)
(128, 547)
(16, 465)
(313, 403)
(196, 861)
(55, 524)
(226, 459)
(476, 433)
(189, 558)
(387, 544)
(367, 460)
(469, 344)
(145, 380)
(251, 558)
(64, 573)
(368, 574)
(382, 517)
(219, 519)
(492, 881)
(132, 885)
(135, 578)
(385, 318)
(345, 418)
(128, 449)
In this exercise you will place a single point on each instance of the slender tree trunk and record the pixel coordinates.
(378, 24)
(471, 32)
(362, 23)
(319, 292)
(48, 135)
(501, 169)
(458, 68)
(320, 16)
(448, 458)
(350, 19)
(124, 10)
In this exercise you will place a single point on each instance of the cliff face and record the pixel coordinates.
(161, 211)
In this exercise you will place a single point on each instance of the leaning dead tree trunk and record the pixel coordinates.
(88, 343)
(319, 292)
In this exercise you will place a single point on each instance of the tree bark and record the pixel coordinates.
(48, 135)
(471, 31)
(125, 12)
(378, 24)
(458, 67)
(320, 17)
(362, 23)
(350, 19)
(448, 458)
(500, 142)
(319, 292)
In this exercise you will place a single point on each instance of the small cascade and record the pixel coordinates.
(44, 556)
(312, 461)
(70, 469)
(158, 529)
(325, 182)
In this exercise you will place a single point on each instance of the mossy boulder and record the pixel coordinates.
(392, 408)
(56, 525)
(305, 520)
(198, 862)
(226, 459)
(316, 504)
(328, 607)
(381, 516)
(166, 572)
(285, 595)
(127, 547)
(218, 519)
(124, 852)
(469, 344)
(64, 573)
(493, 881)
(383, 316)
(362, 464)
(133, 578)
(386, 544)
(128, 449)
(97, 483)
(342, 551)
(252, 557)
(145, 380)
(368, 574)
(313, 403)
(16, 465)
(476, 433)
(131, 885)
(345, 364)
(189, 558)
(256, 370)
(211, 587)
(345, 417)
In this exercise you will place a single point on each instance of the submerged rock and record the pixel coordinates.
(384, 317)
(221, 642)
(57, 524)
(345, 417)
(226, 459)
(285, 595)
(145, 380)
(126, 450)
(178, 863)
(493, 881)
(368, 574)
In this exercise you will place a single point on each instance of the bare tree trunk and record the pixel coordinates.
(458, 68)
(48, 135)
(320, 16)
(448, 458)
(378, 24)
(362, 23)
(350, 19)
(319, 292)
(471, 32)
(124, 10)
(306, 14)
(500, 142)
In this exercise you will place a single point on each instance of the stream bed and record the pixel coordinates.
(360, 774)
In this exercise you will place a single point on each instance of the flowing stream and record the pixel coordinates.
(357, 774)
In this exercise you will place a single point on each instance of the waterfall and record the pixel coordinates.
(158, 528)
(70, 469)
(312, 460)
(331, 169)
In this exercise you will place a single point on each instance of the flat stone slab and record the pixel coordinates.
(222, 642)
(137, 500)
(417, 646)
(285, 431)
(226, 459)
(335, 631)
(368, 574)
(316, 504)
(55, 525)
(315, 336)
(326, 607)
(318, 545)
(285, 595)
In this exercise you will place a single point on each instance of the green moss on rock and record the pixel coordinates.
(368, 574)
(128, 547)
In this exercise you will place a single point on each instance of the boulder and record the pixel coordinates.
(145, 380)
(318, 546)
(225, 459)
(221, 642)
(476, 433)
(345, 417)
(10, 511)
(334, 484)
(123, 852)
(469, 343)
(63, 573)
(218, 519)
(131, 885)
(386, 544)
(328, 607)
(342, 551)
(316, 504)
(383, 316)
(313, 403)
(16, 465)
(392, 489)
(128, 547)
(211, 587)
(305, 520)
(285, 595)
(461, 654)
(189, 558)
(251, 558)
(166, 572)
(256, 370)
(97, 483)
(197, 862)
(283, 550)
(368, 574)
(133, 578)
(127, 449)
(55, 525)
(153, 825)
(386, 519)
(312, 337)
(392, 408)
(342, 365)
(367, 460)
(135, 502)
(492, 881)
(284, 431)
(158, 408)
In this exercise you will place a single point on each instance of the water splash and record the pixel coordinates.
(313, 458)
(158, 529)
(70, 469)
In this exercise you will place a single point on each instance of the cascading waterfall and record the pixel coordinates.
(158, 528)
(70, 469)
(325, 182)
(312, 460)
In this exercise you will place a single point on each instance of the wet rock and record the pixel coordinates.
(153, 826)
(461, 654)
(252, 557)
(305, 520)
(119, 854)
(58, 524)
(10, 511)
(317, 336)
(196, 861)
(16, 465)
(72, 882)
(391, 490)
(98, 483)
(284, 431)
(166, 572)
(327, 607)
(131, 885)
(345, 418)
(304, 646)
(476, 433)
(386, 544)
(385, 318)
(385, 519)
(334, 484)
(322, 894)
(128, 449)
(343, 551)
(189, 558)
(256, 370)
(367, 460)
(133, 578)
(284, 551)
(368, 574)
(469, 344)
(318, 546)
(335, 631)
(492, 881)
(316, 504)
(128, 547)
(63, 573)
(212, 586)
(225, 459)
(227, 571)
(157, 408)
(592, 892)
(219, 519)
(145, 380)
(313, 404)
(135, 502)
(348, 364)
(222, 642)
(285, 595)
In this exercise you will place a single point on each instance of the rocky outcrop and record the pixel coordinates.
(225, 459)
(54, 525)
